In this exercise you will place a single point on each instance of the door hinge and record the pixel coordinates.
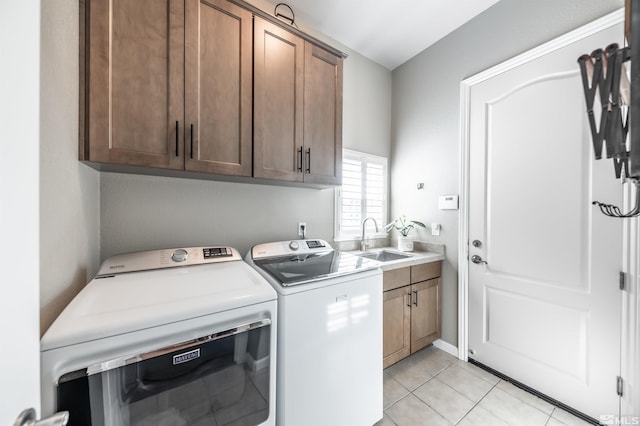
(619, 385)
(622, 281)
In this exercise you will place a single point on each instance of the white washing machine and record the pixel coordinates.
(170, 337)
(329, 333)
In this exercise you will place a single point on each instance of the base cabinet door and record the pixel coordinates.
(397, 326)
(425, 313)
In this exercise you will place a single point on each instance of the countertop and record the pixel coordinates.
(415, 257)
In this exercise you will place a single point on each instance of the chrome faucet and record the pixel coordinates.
(363, 242)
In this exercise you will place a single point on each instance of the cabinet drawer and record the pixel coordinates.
(425, 271)
(396, 278)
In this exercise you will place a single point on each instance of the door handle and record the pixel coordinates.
(415, 296)
(300, 160)
(309, 161)
(478, 260)
(28, 418)
(409, 303)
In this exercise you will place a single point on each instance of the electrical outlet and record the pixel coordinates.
(302, 229)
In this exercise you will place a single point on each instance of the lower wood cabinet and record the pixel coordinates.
(411, 310)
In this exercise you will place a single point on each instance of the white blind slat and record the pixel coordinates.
(363, 193)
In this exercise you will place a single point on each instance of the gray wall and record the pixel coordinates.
(425, 112)
(69, 191)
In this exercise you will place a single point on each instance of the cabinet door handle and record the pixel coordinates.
(415, 296)
(177, 138)
(300, 159)
(309, 161)
(191, 140)
(409, 303)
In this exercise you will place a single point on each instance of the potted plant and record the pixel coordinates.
(404, 226)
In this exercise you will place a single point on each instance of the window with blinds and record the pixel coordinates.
(363, 193)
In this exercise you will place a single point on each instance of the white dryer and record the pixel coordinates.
(329, 333)
(169, 337)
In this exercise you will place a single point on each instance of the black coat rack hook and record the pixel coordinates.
(290, 19)
(614, 211)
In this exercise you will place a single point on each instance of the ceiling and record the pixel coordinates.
(389, 32)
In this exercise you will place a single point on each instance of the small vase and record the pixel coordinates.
(405, 243)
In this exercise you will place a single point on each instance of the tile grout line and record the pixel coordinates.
(478, 403)
(410, 392)
(453, 389)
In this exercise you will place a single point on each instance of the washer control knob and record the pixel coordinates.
(179, 255)
(293, 245)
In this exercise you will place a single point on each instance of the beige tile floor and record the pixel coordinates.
(433, 388)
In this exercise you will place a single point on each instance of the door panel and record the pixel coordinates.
(136, 82)
(22, 132)
(278, 102)
(425, 314)
(541, 148)
(507, 325)
(322, 116)
(218, 88)
(545, 309)
(396, 314)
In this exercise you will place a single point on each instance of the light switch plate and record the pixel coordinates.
(448, 202)
(435, 229)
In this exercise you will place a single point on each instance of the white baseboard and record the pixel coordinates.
(447, 347)
(256, 365)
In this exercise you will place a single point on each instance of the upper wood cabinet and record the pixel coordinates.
(297, 108)
(170, 84)
(322, 116)
(133, 83)
(278, 103)
(218, 78)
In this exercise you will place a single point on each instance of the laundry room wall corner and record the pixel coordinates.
(69, 190)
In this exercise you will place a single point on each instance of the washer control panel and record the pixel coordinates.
(167, 258)
(283, 248)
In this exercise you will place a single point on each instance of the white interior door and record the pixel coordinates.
(19, 248)
(545, 308)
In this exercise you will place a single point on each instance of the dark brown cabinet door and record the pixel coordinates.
(134, 83)
(278, 103)
(322, 116)
(218, 96)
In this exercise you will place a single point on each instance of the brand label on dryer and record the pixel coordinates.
(186, 357)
